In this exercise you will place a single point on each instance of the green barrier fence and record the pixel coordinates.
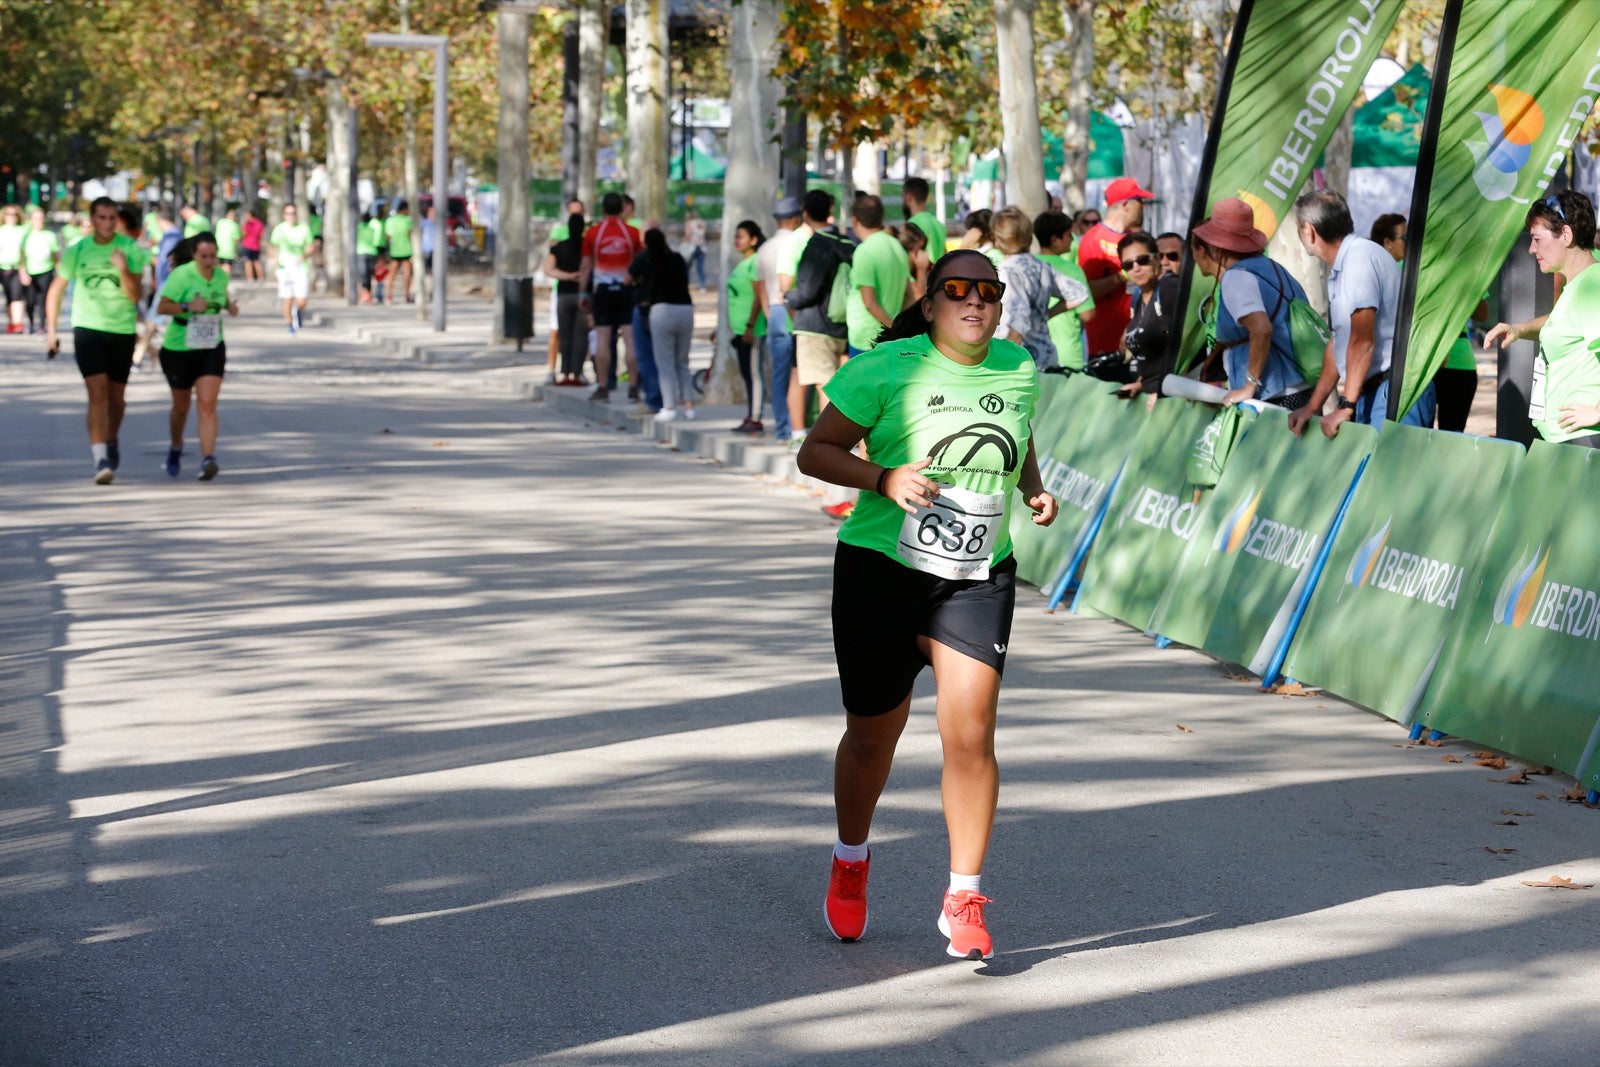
(1521, 672)
(1078, 466)
(1404, 568)
(1153, 513)
(1249, 557)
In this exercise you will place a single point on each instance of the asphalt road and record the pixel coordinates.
(443, 729)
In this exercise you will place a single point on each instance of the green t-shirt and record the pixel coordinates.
(11, 238)
(196, 223)
(397, 228)
(742, 297)
(183, 285)
(933, 230)
(98, 302)
(374, 230)
(39, 250)
(793, 249)
(71, 234)
(292, 242)
(315, 226)
(881, 262)
(1066, 329)
(228, 234)
(917, 403)
(365, 243)
(1569, 357)
(559, 232)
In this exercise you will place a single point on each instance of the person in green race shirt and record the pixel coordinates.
(40, 250)
(377, 227)
(880, 277)
(1564, 402)
(105, 319)
(13, 280)
(193, 355)
(924, 573)
(914, 195)
(1054, 232)
(397, 233)
(747, 321)
(228, 234)
(193, 222)
(290, 243)
(366, 255)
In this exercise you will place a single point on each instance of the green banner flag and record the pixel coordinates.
(1295, 67)
(1510, 97)
(1521, 671)
(1151, 518)
(1404, 567)
(1078, 466)
(1250, 556)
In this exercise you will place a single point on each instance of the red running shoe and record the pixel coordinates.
(841, 510)
(845, 909)
(961, 920)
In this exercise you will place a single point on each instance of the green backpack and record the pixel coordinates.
(839, 293)
(1308, 329)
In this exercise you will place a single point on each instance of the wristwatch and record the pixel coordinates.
(1346, 402)
(1251, 379)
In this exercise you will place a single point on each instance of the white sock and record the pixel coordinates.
(98, 452)
(850, 853)
(958, 882)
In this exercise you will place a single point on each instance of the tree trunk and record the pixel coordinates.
(647, 112)
(335, 223)
(1336, 158)
(847, 187)
(594, 19)
(752, 164)
(278, 190)
(865, 173)
(1019, 106)
(1079, 22)
(511, 233)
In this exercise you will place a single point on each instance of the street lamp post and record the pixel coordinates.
(440, 47)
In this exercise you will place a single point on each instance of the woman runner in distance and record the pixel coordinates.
(192, 353)
(923, 573)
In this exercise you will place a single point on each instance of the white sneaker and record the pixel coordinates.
(667, 415)
(688, 413)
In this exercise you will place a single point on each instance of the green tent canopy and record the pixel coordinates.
(1105, 153)
(705, 167)
(1387, 131)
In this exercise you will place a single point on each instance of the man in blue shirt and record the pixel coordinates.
(1363, 302)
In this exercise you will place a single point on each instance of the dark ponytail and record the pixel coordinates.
(183, 251)
(911, 322)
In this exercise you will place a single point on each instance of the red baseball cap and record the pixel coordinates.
(1126, 189)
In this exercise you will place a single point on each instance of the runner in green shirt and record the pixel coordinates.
(880, 277)
(924, 573)
(1564, 401)
(12, 276)
(914, 193)
(105, 317)
(193, 222)
(229, 234)
(193, 356)
(747, 322)
(397, 233)
(290, 243)
(40, 250)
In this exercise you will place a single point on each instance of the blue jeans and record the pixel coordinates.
(1372, 409)
(780, 347)
(649, 381)
(697, 263)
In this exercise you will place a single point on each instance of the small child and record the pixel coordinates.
(1030, 286)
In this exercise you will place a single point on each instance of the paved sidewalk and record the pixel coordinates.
(446, 728)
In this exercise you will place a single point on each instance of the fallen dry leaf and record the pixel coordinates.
(1540, 770)
(1431, 743)
(1184, 728)
(1507, 822)
(1508, 811)
(1518, 777)
(1555, 881)
(1447, 758)
(1576, 795)
(1541, 796)
(1235, 676)
(1295, 689)
(1482, 754)
(1498, 851)
(1494, 763)
(440, 444)
(386, 430)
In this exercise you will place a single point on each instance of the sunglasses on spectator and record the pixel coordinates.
(1176, 257)
(1138, 261)
(989, 290)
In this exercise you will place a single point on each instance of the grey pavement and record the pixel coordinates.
(449, 728)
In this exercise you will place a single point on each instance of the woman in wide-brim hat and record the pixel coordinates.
(1253, 338)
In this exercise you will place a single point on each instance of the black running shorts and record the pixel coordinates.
(11, 285)
(612, 305)
(183, 368)
(99, 352)
(881, 607)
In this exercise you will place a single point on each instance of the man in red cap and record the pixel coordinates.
(1102, 265)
